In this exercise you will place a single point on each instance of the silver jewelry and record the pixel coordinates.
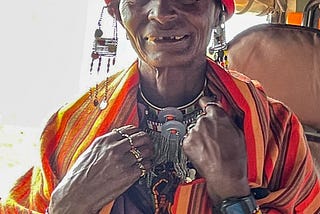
(142, 168)
(136, 153)
(219, 45)
(211, 103)
(167, 127)
(104, 49)
(179, 107)
(168, 145)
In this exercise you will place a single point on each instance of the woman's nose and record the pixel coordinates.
(162, 11)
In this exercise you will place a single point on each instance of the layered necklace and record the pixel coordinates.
(167, 127)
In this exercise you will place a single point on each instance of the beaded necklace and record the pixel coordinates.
(167, 127)
(185, 109)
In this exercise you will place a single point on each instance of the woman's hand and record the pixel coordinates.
(216, 147)
(104, 171)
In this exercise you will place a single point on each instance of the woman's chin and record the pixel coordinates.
(168, 61)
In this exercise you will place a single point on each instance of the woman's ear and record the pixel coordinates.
(113, 10)
(217, 15)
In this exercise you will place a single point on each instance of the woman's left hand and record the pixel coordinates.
(216, 147)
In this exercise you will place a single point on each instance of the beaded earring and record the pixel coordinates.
(104, 48)
(218, 48)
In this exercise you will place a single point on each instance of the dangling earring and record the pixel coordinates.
(218, 48)
(103, 48)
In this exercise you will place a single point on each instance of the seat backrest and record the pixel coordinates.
(286, 60)
(311, 14)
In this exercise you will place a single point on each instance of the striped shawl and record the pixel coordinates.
(278, 156)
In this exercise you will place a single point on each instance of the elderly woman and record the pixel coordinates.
(179, 134)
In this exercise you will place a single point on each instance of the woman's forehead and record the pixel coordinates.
(229, 6)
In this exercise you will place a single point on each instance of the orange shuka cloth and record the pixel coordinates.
(278, 156)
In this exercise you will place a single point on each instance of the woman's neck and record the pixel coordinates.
(172, 86)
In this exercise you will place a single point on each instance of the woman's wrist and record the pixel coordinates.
(238, 205)
(227, 189)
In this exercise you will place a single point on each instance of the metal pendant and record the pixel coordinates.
(173, 130)
(103, 104)
(105, 46)
(170, 113)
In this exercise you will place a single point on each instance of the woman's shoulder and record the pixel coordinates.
(83, 101)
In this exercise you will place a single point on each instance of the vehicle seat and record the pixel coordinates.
(286, 60)
(311, 14)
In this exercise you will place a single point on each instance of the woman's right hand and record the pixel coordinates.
(104, 171)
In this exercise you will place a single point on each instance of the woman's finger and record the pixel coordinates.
(211, 106)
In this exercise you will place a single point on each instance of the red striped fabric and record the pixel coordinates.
(278, 156)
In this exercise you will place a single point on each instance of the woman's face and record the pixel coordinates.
(168, 32)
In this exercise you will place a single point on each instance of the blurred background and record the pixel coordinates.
(45, 48)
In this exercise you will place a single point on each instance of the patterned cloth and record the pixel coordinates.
(278, 156)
